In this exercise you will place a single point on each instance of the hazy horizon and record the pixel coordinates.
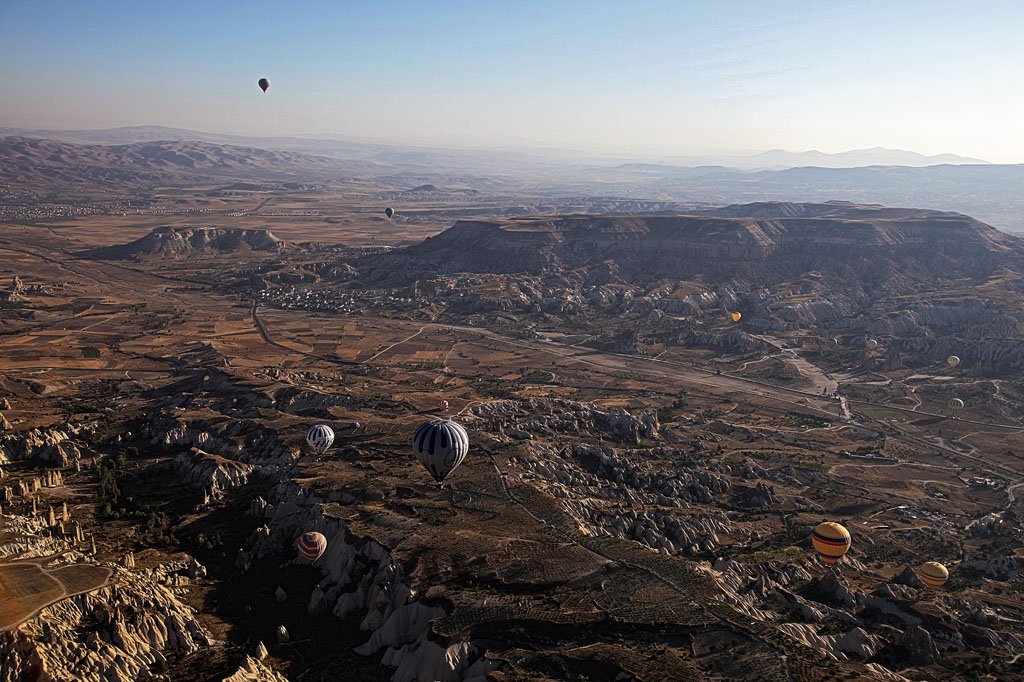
(653, 78)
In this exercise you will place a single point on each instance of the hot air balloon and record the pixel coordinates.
(831, 541)
(871, 343)
(312, 545)
(440, 446)
(956, 404)
(443, 406)
(320, 438)
(264, 84)
(952, 361)
(833, 342)
(389, 211)
(933, 574)
(735, 317)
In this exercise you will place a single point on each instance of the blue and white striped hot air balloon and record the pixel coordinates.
(440, 446)
(320, 438)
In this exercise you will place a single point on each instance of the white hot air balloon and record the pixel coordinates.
(320, 437)
(440, 446)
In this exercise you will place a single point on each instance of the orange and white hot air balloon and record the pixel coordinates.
(312, 545)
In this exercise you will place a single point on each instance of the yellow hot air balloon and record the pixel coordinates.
(952, 361)
(956, 404)
(871, 343)
(933, 574)
(831, 541)
(735, 317)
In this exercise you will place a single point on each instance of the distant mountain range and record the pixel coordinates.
(772, 159)
(778, 159)
(146, 156)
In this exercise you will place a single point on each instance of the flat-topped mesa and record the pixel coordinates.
(173, 241)
(774, 239)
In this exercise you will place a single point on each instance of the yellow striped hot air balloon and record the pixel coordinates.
(952, 361)
(312, 545)
(933, 574)
(956, 404)
(831, 541)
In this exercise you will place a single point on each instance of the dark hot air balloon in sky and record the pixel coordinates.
(264, 84)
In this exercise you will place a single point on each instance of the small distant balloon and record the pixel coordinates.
(956, 404)
(443, 406)
(264, 84)
(389, 211)
(933, 574)
(735, 317)
(952, 361)
(312, 545)
(871, 343)
(833, 342)
(831, 541)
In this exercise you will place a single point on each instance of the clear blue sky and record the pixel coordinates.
(664, 76)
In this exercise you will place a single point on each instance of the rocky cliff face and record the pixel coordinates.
(359, 576)
(521, 418)
(122, 632)
(884, 251)
(54, 445)
(178, 242)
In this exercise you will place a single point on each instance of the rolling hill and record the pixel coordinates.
(28, 162)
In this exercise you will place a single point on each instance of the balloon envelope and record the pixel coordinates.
(312, 545)
(953, 361)
(264, 84)
(440, 446)
(833, 342)
(956, 404)
(320, 437)
(735, 317)
(933, 574)
(871, 343)
(831, 541)
(389, 211)
(443, 405)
